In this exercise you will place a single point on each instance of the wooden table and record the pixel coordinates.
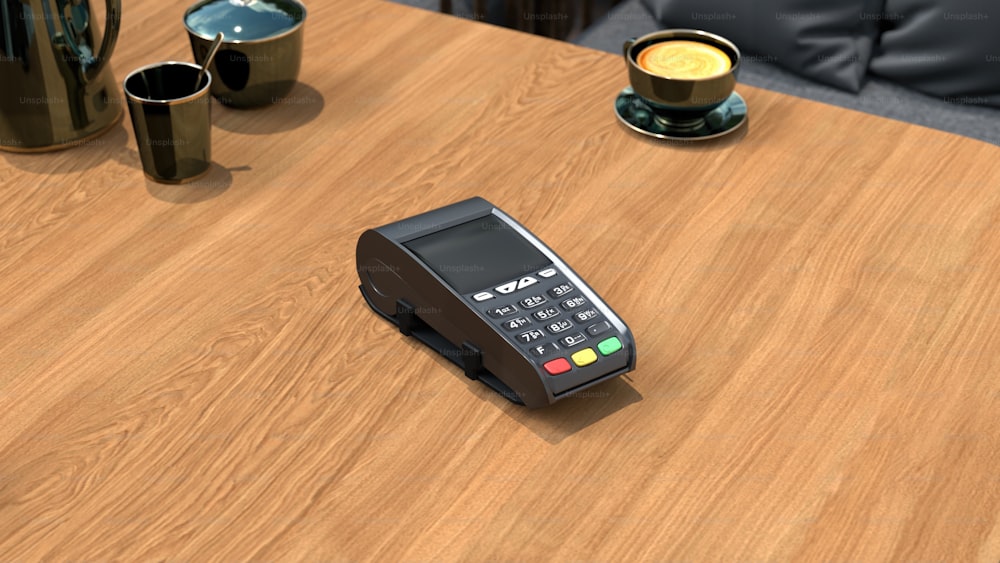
(190, 372)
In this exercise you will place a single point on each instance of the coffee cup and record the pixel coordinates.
(259, 60)
(682, 74)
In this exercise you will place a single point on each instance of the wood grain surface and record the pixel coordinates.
(190, 373)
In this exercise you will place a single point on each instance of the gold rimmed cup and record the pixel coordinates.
(682, 74)
(172, 120)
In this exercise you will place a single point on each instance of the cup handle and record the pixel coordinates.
(628, 44)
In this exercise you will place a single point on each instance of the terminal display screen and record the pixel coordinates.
(478, 255)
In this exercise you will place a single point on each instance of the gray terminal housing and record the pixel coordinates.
(444, 303)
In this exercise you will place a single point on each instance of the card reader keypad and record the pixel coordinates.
(565, 334)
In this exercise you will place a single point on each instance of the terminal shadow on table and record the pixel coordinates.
(555, 422)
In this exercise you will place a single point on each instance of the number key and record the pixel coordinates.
(560, 290)
(573, 303)
(502, 311)
(559, 326)
(546, 313)
(572, 340)
(529, 336)
(514, 324)
(534, 301)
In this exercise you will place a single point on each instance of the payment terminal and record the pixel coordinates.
(483, 291)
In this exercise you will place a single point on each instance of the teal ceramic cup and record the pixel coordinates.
(259, 60)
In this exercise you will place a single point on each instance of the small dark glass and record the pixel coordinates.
(172, 120)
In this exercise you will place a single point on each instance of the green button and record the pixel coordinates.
(609, 346)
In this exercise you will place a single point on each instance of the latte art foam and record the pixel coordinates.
(684, 59)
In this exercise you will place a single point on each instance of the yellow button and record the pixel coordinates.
(584, 357)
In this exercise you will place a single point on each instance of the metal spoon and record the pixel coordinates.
(208, 59)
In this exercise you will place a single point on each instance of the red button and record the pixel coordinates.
(556, 366)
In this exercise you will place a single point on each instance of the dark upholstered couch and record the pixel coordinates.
(930, 62)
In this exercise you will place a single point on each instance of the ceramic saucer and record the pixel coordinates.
(636, 115)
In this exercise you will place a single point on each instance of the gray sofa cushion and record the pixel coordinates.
(627, 20)
(946, 48)
(827, 40)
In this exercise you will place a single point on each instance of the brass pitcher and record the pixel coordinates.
(55, 92)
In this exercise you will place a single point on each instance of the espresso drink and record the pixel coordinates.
(683, 59)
